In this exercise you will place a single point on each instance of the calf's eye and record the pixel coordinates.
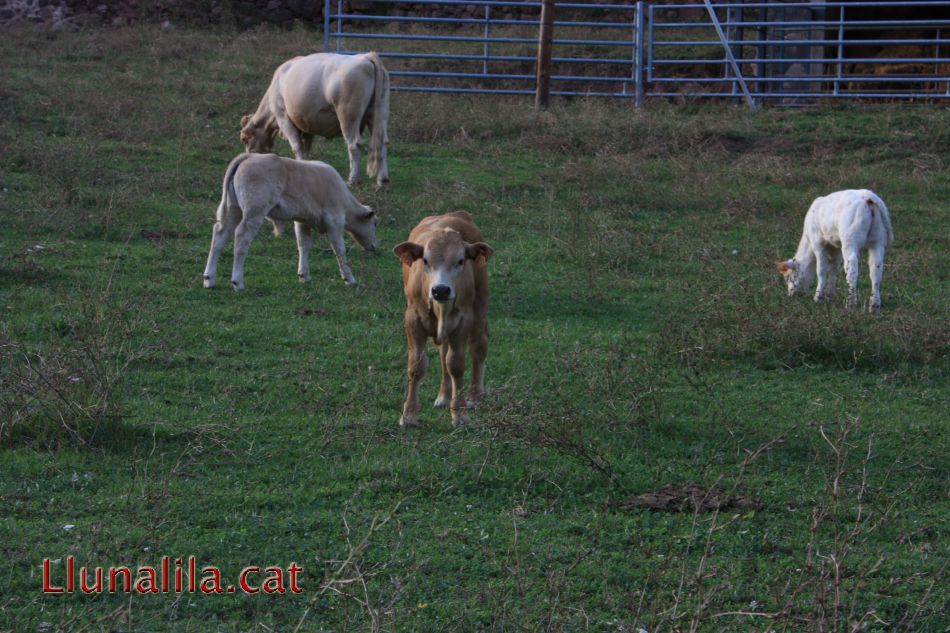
(461, 261)
(425, 261)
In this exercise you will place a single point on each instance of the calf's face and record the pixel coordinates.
(363, 229)
(443, 261)
(794, 280)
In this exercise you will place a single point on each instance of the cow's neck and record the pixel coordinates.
(264, 115)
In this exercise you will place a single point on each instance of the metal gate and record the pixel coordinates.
(782, 52)
(489, 46)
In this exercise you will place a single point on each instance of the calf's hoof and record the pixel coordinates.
(874, 308)
(303, 278)
(209, 282)
(408, 422)
(441, 401)
(460, 420)
(237, 286)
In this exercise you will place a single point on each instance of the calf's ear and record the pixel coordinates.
(244, 120)
(368, 213)
(408, 252)
(479, 251)
(786, 266)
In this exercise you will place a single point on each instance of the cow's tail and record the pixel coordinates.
(380, 136)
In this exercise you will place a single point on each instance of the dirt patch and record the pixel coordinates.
(160, 235)
(318, 312)
(688, 498)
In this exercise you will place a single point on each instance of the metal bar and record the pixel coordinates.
(506, 21)
(463, 38)
(638, 57)
(651, 39)
(816, 60)
(339, 25)
(326, 26)
(670, 43)
(837, 84)
(732, 60)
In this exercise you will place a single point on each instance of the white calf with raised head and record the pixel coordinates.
(837, 227)
(309, 193)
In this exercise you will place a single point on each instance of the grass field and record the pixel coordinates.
(641, 343)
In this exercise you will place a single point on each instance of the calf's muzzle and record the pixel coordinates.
(441, 293)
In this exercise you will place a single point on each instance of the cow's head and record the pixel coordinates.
(362, 226)
(444, 258)
(257, 138)
(791, 269)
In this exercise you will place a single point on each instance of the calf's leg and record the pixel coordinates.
(243, 236)
(876, 266)
(476, 390)
(455, 361)
(339, 249)
(851, 261)
(304, 242)
(220, 234)
(416, 370)
(445, 389)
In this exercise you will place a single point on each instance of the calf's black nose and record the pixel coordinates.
(441, 293)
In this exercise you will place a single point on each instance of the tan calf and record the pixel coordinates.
(309, 193)
(446, 282)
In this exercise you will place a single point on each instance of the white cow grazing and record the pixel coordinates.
(325, 94)
(309, 193)
(838, 226)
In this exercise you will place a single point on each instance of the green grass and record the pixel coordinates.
(640, 338)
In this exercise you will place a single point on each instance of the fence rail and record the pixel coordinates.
(779, 52)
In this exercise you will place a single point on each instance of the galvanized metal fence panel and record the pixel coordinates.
(488, 50)
(789, 52)
(781, 52)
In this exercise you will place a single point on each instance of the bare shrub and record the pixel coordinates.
(67, 391)
(625, 389)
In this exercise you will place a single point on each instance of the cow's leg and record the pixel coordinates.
(350, 126)
(825, 260)
(293, 136)
(306, 143)
(851, 262)
(445, 389)
(876, 266)
(416, 370)
(220, 234)
(455, 361)
(243, 236)
(476, 390)
(304, 241)
(339, 249)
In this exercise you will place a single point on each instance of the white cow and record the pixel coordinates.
(325, 94)
(309, 193)
(837, 227)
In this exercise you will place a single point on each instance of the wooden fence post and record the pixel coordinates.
(545, 37)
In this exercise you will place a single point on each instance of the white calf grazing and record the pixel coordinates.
(310, 193)
(838, 226)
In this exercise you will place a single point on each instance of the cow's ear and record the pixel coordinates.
(244, 120)
(408, 252)
(479, 251)
(369, 213)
